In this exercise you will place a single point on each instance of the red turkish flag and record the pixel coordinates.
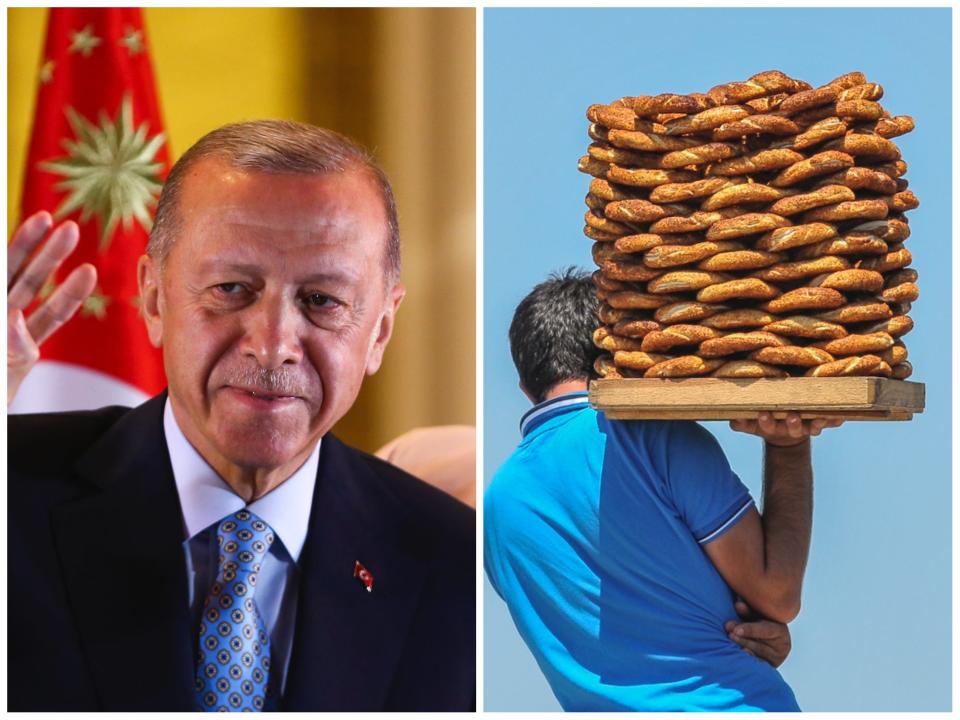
(98, 155)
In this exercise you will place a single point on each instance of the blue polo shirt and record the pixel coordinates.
(593, 535)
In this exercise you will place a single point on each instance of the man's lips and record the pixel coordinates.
(259, 397)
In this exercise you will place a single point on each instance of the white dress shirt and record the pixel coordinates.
(205, 499)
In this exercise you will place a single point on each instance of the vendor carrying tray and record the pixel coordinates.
(849, 398)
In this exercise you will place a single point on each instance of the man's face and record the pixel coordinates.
(270, 309)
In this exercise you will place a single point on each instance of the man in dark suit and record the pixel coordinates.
(216, 547)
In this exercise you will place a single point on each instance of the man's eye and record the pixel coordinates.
(319, 300)
(230, 288)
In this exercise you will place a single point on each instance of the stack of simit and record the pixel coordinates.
(756, 230)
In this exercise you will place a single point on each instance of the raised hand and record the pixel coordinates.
(26, 275)
(791, 431)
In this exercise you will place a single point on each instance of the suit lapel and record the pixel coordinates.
(348, 641)
(123, 564)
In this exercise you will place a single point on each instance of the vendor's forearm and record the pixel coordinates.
(787, 519)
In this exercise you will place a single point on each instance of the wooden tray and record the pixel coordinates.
(850, 398)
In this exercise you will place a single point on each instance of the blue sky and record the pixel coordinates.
(875, 630)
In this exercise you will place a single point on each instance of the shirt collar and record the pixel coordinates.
(549, 409)
(206, 499)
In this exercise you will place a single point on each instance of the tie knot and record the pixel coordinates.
(244, 540)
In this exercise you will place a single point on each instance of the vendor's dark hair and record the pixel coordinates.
(551, 336)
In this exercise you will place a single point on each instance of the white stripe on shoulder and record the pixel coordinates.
(733, 518)
(550, 407)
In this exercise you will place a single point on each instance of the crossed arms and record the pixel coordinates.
(763, 557)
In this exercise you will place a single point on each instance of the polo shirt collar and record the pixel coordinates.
(206, 499)
(549, 409)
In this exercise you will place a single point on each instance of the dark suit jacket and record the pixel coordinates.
(97, 587)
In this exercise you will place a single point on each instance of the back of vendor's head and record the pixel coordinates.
(551, 336)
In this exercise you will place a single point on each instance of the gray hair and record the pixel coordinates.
(274, 146)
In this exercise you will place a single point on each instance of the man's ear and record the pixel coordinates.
(148, 279)
(385, 328)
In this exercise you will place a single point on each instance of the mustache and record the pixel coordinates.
(279, 381)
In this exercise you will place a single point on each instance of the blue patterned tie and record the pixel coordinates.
(233, 660)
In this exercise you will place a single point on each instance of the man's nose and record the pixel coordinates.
(272, 332)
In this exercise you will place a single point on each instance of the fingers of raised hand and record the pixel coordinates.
(27, 284)
(746, 426)
(25, 239)
(790, 428)
(770, 428)
(22, 351)
(63, 303)
(795, 427)
(767, 425)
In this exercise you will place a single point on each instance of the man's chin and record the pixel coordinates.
(255, 440)
(266, 452)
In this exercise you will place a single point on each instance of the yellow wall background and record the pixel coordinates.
(402, 82)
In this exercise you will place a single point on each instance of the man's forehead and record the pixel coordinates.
(236, 246)
(246, 219)
(285, 215)
(219, 176)
(216, 191)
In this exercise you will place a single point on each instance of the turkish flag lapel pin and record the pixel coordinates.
(363, 575)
